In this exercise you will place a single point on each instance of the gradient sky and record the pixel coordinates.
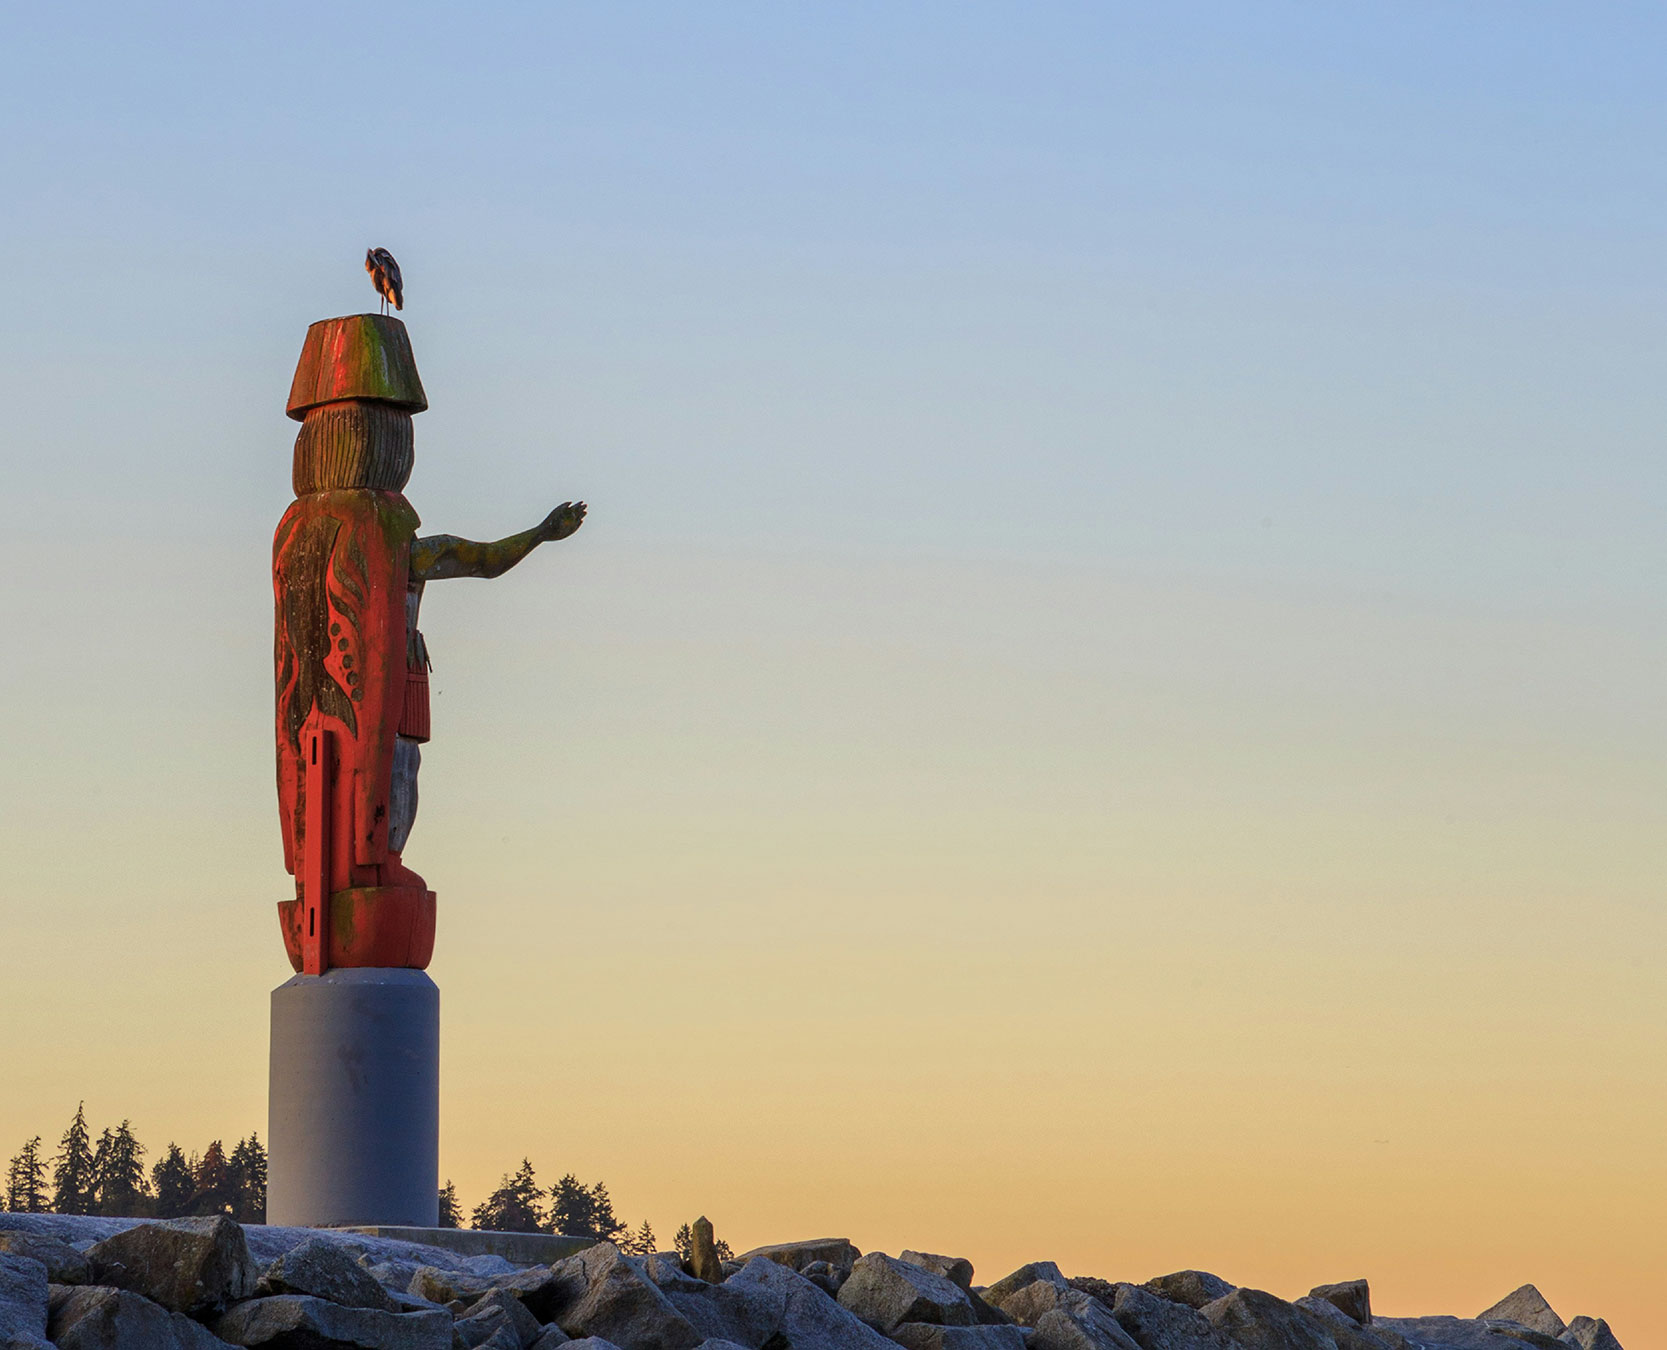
(1108, 707)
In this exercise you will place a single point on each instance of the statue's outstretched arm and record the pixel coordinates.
(445, 555)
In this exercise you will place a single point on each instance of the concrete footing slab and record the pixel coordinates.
(523, 1249)
(353, 1115)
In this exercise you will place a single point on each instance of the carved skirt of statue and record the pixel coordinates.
(340, 565)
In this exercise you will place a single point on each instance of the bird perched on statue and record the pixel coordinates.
(384, 275)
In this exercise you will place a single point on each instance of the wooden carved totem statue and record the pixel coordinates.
(352, 669)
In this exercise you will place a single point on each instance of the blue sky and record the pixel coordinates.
(1258, 289)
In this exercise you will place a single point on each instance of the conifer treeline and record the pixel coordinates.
(574, 1209)
(518, 1206)
(109, 1177)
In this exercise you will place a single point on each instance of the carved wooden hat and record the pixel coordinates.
(364, 356)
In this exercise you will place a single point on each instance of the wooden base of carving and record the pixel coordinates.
(380, 926)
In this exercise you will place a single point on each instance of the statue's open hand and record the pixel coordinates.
(563, 520)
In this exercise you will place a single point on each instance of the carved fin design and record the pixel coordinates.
(304, 682)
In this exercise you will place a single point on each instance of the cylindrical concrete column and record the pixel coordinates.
(353, 1118)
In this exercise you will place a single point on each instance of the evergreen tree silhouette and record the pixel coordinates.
(119, 1174)
(604, 1226)
(101, 1160)
(572, 1208)
(172, 1178)
(26, 1180)
(72, 1169)
(212, 1191)
(641, 1242)
(515, 1206)
(584, 1211)
(451, 1214)
(248, 1181)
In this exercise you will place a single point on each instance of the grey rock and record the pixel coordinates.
(782, 1304)
(1326, 1312)
(599, 1293)
(1087, 1327)
(931, 1336)
(404, 1302)
(999, 1292)
(1194, 1288)
(469, 1331)
(1337, 1324)
(98, 1317)
(540, 1289)
(267, 1243)
(986, 1314)
(442, 1286)
(399, 1275)
(886, 1292)
(551, 1336)
(1388, 1336)
(1029, 1305)
(1442, 1333)
(718, 1343)
(1345, 1331)
(389, 1274)
(501, 1337)
(703, 1253)
(1463, 1333)
(1104, 1290)
(493, 1267)
(22, 1298)
(1157, 1323)
(1256, 1320)
(394, 1276)
(498, 1308)
(64, 1265)
(1522, 1335)
(666, 1270)
(1353, 1298)
(722, 1313)
(824, 1277)
(323, 1268)
(79, 1230)
(590, 1343)
(837, 1252)
(302, 1322)
(702, 1312)
(191, 1266)
(1590, 1333)
(955, 1269)
(1063, 1318)
(1528, 1307)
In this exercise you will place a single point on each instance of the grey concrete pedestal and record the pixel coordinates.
(353, 1117)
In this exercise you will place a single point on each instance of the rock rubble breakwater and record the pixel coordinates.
(206, 1283)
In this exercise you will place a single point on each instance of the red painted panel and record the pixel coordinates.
(340, 565)
(318, 748)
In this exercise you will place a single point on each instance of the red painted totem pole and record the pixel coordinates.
(352, 670)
